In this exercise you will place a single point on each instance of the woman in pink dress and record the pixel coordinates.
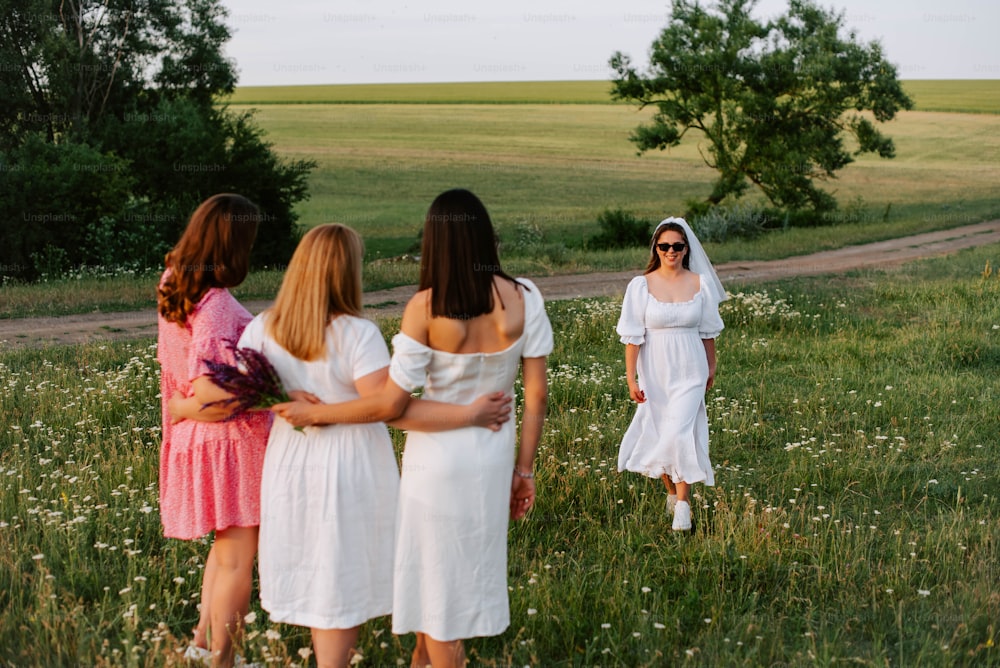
(210, 463)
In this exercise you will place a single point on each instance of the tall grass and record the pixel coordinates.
(137, 291)
(854, 519)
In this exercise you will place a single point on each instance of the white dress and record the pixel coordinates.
(454, 495)
(669, 432)
(328, 494)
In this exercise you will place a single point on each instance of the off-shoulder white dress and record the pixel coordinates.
(669, 432)
(454, 496)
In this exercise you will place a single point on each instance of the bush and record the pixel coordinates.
(523, 237)
(526, 240)
(71, 205)
(736, 221)
(127, 241)
(620, 229)
(52, 198)
(182, 155)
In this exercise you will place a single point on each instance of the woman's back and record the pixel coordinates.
(458, 360)
(354, 348)
(487, 333)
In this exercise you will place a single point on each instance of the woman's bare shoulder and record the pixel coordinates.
(416, 316)
(420, 298)
(508, 288)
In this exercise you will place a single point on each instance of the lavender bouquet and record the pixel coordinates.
(252, 381)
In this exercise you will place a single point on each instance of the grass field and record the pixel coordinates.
(854, 519)
(970, 96)
(496, 92)
(854, 421)
(557, 167)
(545, 172)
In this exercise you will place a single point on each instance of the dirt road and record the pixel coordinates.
(89, 327)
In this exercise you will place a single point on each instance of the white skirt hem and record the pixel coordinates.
(313, 621)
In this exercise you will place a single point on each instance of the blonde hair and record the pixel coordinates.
(323, 281)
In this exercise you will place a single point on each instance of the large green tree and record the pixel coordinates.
(782, 104)
(121, 98)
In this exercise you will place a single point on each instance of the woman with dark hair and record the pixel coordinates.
(467, 331)
(210, 466)
(669, 322)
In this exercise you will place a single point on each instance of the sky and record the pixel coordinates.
(391, 41)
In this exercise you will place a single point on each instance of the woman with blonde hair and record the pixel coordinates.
(469, 329)
(329, 493)
(210, 466)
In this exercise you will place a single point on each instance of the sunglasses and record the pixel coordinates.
(677, 247)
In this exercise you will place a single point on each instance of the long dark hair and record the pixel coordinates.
(213, 252)
(459, 256)
(654, 258)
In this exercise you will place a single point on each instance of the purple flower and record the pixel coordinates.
(252, 381)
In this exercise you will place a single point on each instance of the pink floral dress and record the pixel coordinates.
(209, 471)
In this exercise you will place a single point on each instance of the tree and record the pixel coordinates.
(775, 101)
(126, 93)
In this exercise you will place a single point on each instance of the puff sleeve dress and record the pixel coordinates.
(328, 495)
(669, 432)
(209, 471)
(454, 497)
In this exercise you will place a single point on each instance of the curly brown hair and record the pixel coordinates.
(213, 252)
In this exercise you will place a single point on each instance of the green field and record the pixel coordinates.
(971, 96)
(557, 167)
(546, 171)
(495, 92)
(968, 96)
(854, 422)
(854, 520)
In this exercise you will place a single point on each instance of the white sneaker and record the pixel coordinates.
(682, 516)
(671, 503)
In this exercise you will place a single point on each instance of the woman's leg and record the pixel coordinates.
(235, 549)
(334, 647)
(683, 491)
(671, 493)
(420, 658)
(449, 654)
(669, 484)
(204, 613)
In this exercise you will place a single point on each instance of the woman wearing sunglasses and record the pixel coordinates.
(669, 322)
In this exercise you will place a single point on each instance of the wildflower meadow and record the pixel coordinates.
(854, 428)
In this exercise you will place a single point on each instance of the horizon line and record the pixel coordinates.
(513, 81)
